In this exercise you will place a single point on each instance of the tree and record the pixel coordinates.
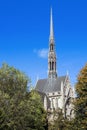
(38, 114)
(59, 122)
(81, 100)
(19, 109)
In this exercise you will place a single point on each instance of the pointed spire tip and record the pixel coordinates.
(51, 25)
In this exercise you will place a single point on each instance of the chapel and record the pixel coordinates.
(56, 88)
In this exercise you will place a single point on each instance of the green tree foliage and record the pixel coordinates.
(19, 110)
(81, 100)
(38, 114)
(59, 122)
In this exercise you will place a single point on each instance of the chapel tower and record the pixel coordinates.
(51, 55)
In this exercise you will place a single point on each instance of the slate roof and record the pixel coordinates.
(50, 84)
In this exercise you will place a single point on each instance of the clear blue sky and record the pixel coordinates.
(24, 35)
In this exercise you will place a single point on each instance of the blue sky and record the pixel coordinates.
(24, 35)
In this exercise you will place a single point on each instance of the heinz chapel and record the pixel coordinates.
(57, 91)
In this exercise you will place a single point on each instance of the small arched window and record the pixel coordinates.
(50, 65)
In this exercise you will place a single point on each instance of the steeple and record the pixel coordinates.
(51, 26)
(51, 56)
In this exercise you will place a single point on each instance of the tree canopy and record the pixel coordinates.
(19, 109)
(81, 100)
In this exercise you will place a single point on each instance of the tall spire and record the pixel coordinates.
(51, 26)
(51, 56)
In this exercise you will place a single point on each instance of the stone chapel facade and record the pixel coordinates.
(57, 89)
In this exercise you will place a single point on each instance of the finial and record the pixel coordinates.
(67, 73)
(37, 78)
